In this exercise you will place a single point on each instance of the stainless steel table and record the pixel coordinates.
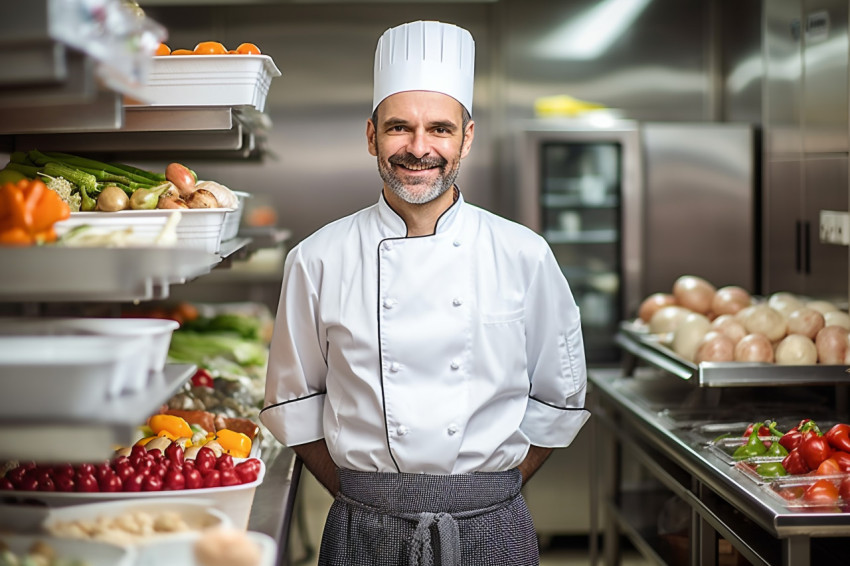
(274, 499)
(635, 424)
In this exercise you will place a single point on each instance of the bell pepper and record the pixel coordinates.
(776, 450)
(237, 444)
(839, 437)
(762, 429)
(794, 463)
(792, 439)
(28, 211)
(771, 470)
(843, 460)
(814, 448)
(753, 447)
(175, 426)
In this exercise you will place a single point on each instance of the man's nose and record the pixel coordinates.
(418, 145)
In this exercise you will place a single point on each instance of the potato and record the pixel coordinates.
(730, 326)
(766, 320)
(666, 319)
(837, 318)
(729, 300)
(694, 293)
(652, 303)
(715, 347)
(805, 321)
(692, 328)
(796, 350)
(785, 303)
(754, 348)
(831, 344)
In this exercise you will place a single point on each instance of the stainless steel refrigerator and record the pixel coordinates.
(580, 187)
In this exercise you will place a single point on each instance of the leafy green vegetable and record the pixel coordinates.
(189, 346)
(247, 327)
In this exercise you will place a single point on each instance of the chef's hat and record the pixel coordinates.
(430, 56)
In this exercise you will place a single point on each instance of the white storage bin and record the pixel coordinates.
(89, 553)
(234, 501)
(68, 375)
(202, 227)
(152, 335)
(146, 227)
(209, 80)
(233, 219)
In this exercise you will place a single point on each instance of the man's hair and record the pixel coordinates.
(465, 120)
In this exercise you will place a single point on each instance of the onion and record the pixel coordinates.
(785, 303)
(715, 347)
(666, 319)
(822, 307)
(730, 326)
(654, 302)
(754, 348)
(805, 321)
(766, 320)
(837, 318)
(831, 344)
(692, 328)
(694, 293)
(796, 350)
(744, 313)
(730, 299)
(225, 197)
(181, 177)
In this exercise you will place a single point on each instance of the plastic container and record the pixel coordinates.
(792, 492)
(196, 514)
(179, 551)
(210, 80)
(145, 227)
(90, 553)
(68, 375)
(234, 501)
(152, 335)
(233, 219)
(725, 447)
(201, 228)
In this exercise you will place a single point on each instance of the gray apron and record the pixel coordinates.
(400, 519)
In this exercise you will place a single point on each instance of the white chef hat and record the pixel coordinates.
(430, 56)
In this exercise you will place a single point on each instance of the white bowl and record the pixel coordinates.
(92, 553)
(180, 551)
(197, 514)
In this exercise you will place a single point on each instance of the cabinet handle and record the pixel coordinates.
(808, 248)
(798, 244)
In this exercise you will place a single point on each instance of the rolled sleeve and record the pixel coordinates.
(556, 360)
(295, 422)
(297, 371)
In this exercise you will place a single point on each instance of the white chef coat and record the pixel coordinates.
(441, 354)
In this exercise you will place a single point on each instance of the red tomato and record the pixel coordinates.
(193, 478)
(174, 453)
(152, 483)
(229, 477)
(85, 469)
(111, 483)
(87, 483)
(174, 480)
(224, 462)
(843, 459)
(844, 490)
(5, 484)
(28, 483)
(64, 470)
(212, 479)
(134, 482)
(822, 492)
(205, 460)
(65, 483)
(46, 484)
(247, 471)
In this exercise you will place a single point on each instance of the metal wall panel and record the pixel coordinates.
(700, 204)
(825, 56)
(783, 81)
(783, 266)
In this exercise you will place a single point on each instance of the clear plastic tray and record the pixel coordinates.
(723, 448)
(790, 491)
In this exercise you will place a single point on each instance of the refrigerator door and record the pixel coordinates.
(580, 189)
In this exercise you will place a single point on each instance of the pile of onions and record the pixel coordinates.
(652, 303)
(730, 300)
(694, 293)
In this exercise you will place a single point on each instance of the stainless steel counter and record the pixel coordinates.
(271, 512)
(651, 420)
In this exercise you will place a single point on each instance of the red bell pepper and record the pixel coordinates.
(792, 439)
(814, 448)
(839, 437)
(763, 430)
(843, 460)
(794, 463)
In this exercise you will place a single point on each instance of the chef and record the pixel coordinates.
(427, 354)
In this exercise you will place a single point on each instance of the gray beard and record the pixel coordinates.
(439, 186)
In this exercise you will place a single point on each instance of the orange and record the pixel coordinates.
(210, 48)
(163, 49)
(182, 52)
(248, 49)
(232, 52)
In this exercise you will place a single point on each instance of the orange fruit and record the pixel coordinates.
(210, 48)
(248, 49)
(182, 52)
(163, 49)
(233, 52)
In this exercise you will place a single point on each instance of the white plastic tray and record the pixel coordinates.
(154, 335)
(92, 553)
(210, 80)
(234, 501)
(58, 374)
(233, 219)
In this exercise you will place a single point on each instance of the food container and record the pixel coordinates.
(725, 447)
(234, 218)
(67, 375)
(89, 553)
(209, 80)
(199, 228)
(153, 336)
(123, 521)
(791, 492)
(179, 551)
(234, 501)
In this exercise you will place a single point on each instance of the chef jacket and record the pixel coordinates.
(444, 354)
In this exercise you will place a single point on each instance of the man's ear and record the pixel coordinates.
(371, 140)
(468, 136)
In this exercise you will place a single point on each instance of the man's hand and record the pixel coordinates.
(533, 460)
(317, 459)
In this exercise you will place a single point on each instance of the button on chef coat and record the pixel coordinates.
(478, 314)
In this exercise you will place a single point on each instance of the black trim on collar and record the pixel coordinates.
(456, 198)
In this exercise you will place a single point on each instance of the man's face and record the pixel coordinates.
(419, 141)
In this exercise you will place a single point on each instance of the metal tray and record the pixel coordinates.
(636, 340)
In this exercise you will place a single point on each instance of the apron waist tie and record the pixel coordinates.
(421, 543)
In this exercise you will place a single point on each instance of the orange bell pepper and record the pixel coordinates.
(28, 211)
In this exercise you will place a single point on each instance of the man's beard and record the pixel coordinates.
(444, 181)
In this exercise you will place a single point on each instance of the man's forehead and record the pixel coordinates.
(419, 103)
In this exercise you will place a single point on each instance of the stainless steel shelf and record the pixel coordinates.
(53, 274)
(725, 374)
(110, 422)
(582, 237)
(554, 200)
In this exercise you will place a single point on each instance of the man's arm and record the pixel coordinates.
(317, 459)
(533, 460)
